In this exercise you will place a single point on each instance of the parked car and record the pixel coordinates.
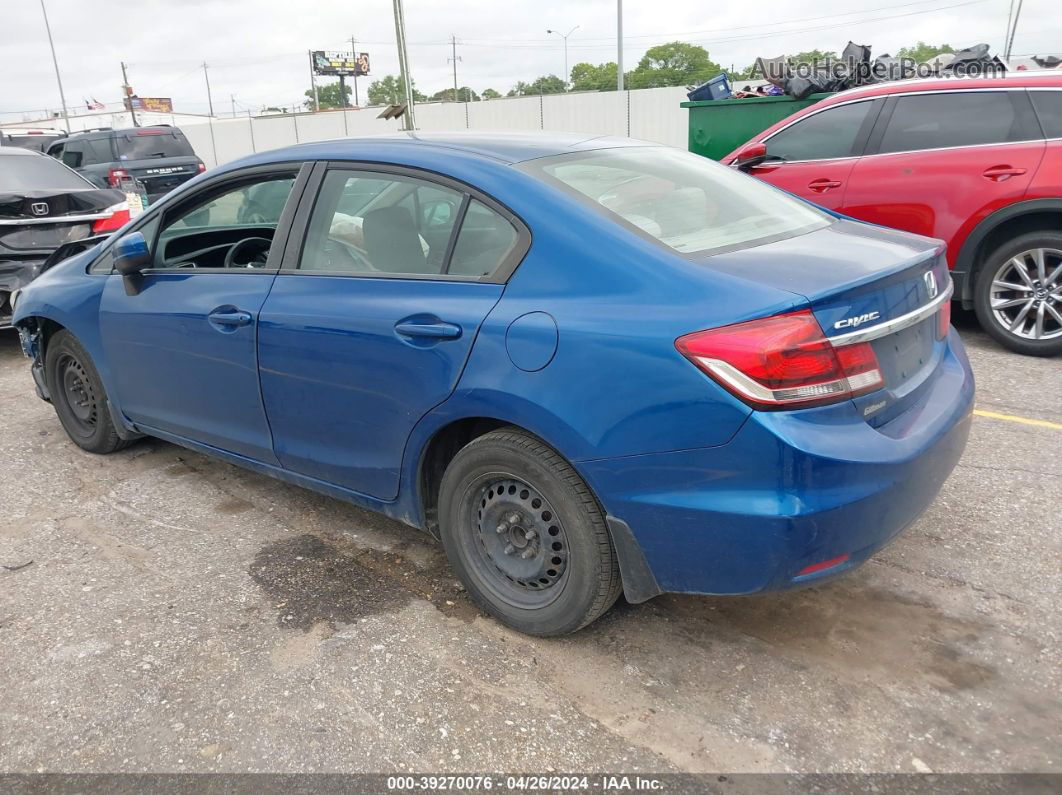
(43, 206)
(159, 157)
(977, 163)
(587, 365)
(36, 139)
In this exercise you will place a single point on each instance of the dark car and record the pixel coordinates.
(44, 205)
(585, 364)
(159, 157)
(36, 139)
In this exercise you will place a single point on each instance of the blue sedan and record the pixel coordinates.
(588, 366)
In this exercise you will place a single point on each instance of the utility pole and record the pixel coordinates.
(565, 37)
(210, 99)
(403, 65)
(1013, 30)
(354, 55)
(313, 83)
(232, 99)
(619, 45)
(455, 59)
(55, 63)
(128, 91)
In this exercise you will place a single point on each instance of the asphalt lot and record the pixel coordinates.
(181, 614)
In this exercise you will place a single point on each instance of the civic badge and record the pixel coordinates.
(931, 284)
(39, 208)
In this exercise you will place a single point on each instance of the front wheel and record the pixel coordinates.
(78, 395)
(1018, 294)
(525, 535)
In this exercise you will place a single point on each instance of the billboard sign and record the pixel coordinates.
(150, 104)
(346, 64)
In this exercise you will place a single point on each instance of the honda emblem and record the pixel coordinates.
(39, 208)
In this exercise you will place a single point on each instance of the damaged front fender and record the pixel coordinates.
(31, 337)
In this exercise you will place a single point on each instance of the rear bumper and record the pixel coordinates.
(790, 490)
(14, 275)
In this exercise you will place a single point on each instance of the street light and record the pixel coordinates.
(55, 62)
(565, 37)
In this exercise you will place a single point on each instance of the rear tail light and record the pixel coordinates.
(202, 167)
(782, 362)
(944, 320)
(115, 176)
(119, 217)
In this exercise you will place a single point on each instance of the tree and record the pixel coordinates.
(922, 52)
(464, 94)
(489, 93)
(547, 84)
(328, 96)
(674, 64)
(811, 56)
(588, 77)
(390, 91)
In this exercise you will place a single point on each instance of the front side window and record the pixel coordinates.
(204, 233)
(935, 121)
(826, 135)
(686, 202)
(376, 224)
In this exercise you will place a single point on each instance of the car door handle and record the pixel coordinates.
(823, 185)
(438, 331)
(1001, 173)
(234, 319)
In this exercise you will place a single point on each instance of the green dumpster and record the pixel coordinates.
(719, 126)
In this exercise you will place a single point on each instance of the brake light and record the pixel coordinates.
(152, 132)
(115, 176)
(119, 217)
(202, 167)
(944, 320)
(783, 361)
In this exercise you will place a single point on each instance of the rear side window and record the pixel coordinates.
(97, 151)
(74, 154)
(37, 172)
(483, 243)
(826, 135)
(150, 143)
(935, 121)
(1048, 106)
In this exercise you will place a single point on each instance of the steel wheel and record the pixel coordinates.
(519, 541)
(1026, 294)
(78, 394)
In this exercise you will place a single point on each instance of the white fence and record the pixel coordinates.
(651, 114)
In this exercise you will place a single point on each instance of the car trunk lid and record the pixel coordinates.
(41, 220)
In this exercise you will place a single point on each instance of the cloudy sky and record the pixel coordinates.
(256, 49)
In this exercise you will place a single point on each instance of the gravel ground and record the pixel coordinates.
(162, 611)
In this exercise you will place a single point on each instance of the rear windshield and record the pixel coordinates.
(148, 144)
(687, 202)
(35, 142)
(37, 172)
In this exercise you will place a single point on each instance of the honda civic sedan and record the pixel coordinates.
(587, 366)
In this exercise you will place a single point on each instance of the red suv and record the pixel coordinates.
(975, 162)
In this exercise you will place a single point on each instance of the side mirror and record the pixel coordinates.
(751, 156)
(131, 254)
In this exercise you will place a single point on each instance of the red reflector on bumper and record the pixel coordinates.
(826, 564)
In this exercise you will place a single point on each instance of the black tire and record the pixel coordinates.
(78, 396)
(568, 535)
(998, 268)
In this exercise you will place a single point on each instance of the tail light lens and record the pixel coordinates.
(115, 176)
(944, 320)
(202, 166)
(783, 361)
(119, 217)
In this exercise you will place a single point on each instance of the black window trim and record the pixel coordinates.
(300, 225)
(303, 169)
(1017, 95)
(859, 146)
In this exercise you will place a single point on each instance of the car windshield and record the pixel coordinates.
(147, 144)
(687, 202)
(37, 172)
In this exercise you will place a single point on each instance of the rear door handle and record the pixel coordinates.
(823, 185)
(233, 319)
(438, 331)
(1001, 173)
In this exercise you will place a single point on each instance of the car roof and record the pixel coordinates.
(18, 151)
(1045, 79)
(506, 147)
